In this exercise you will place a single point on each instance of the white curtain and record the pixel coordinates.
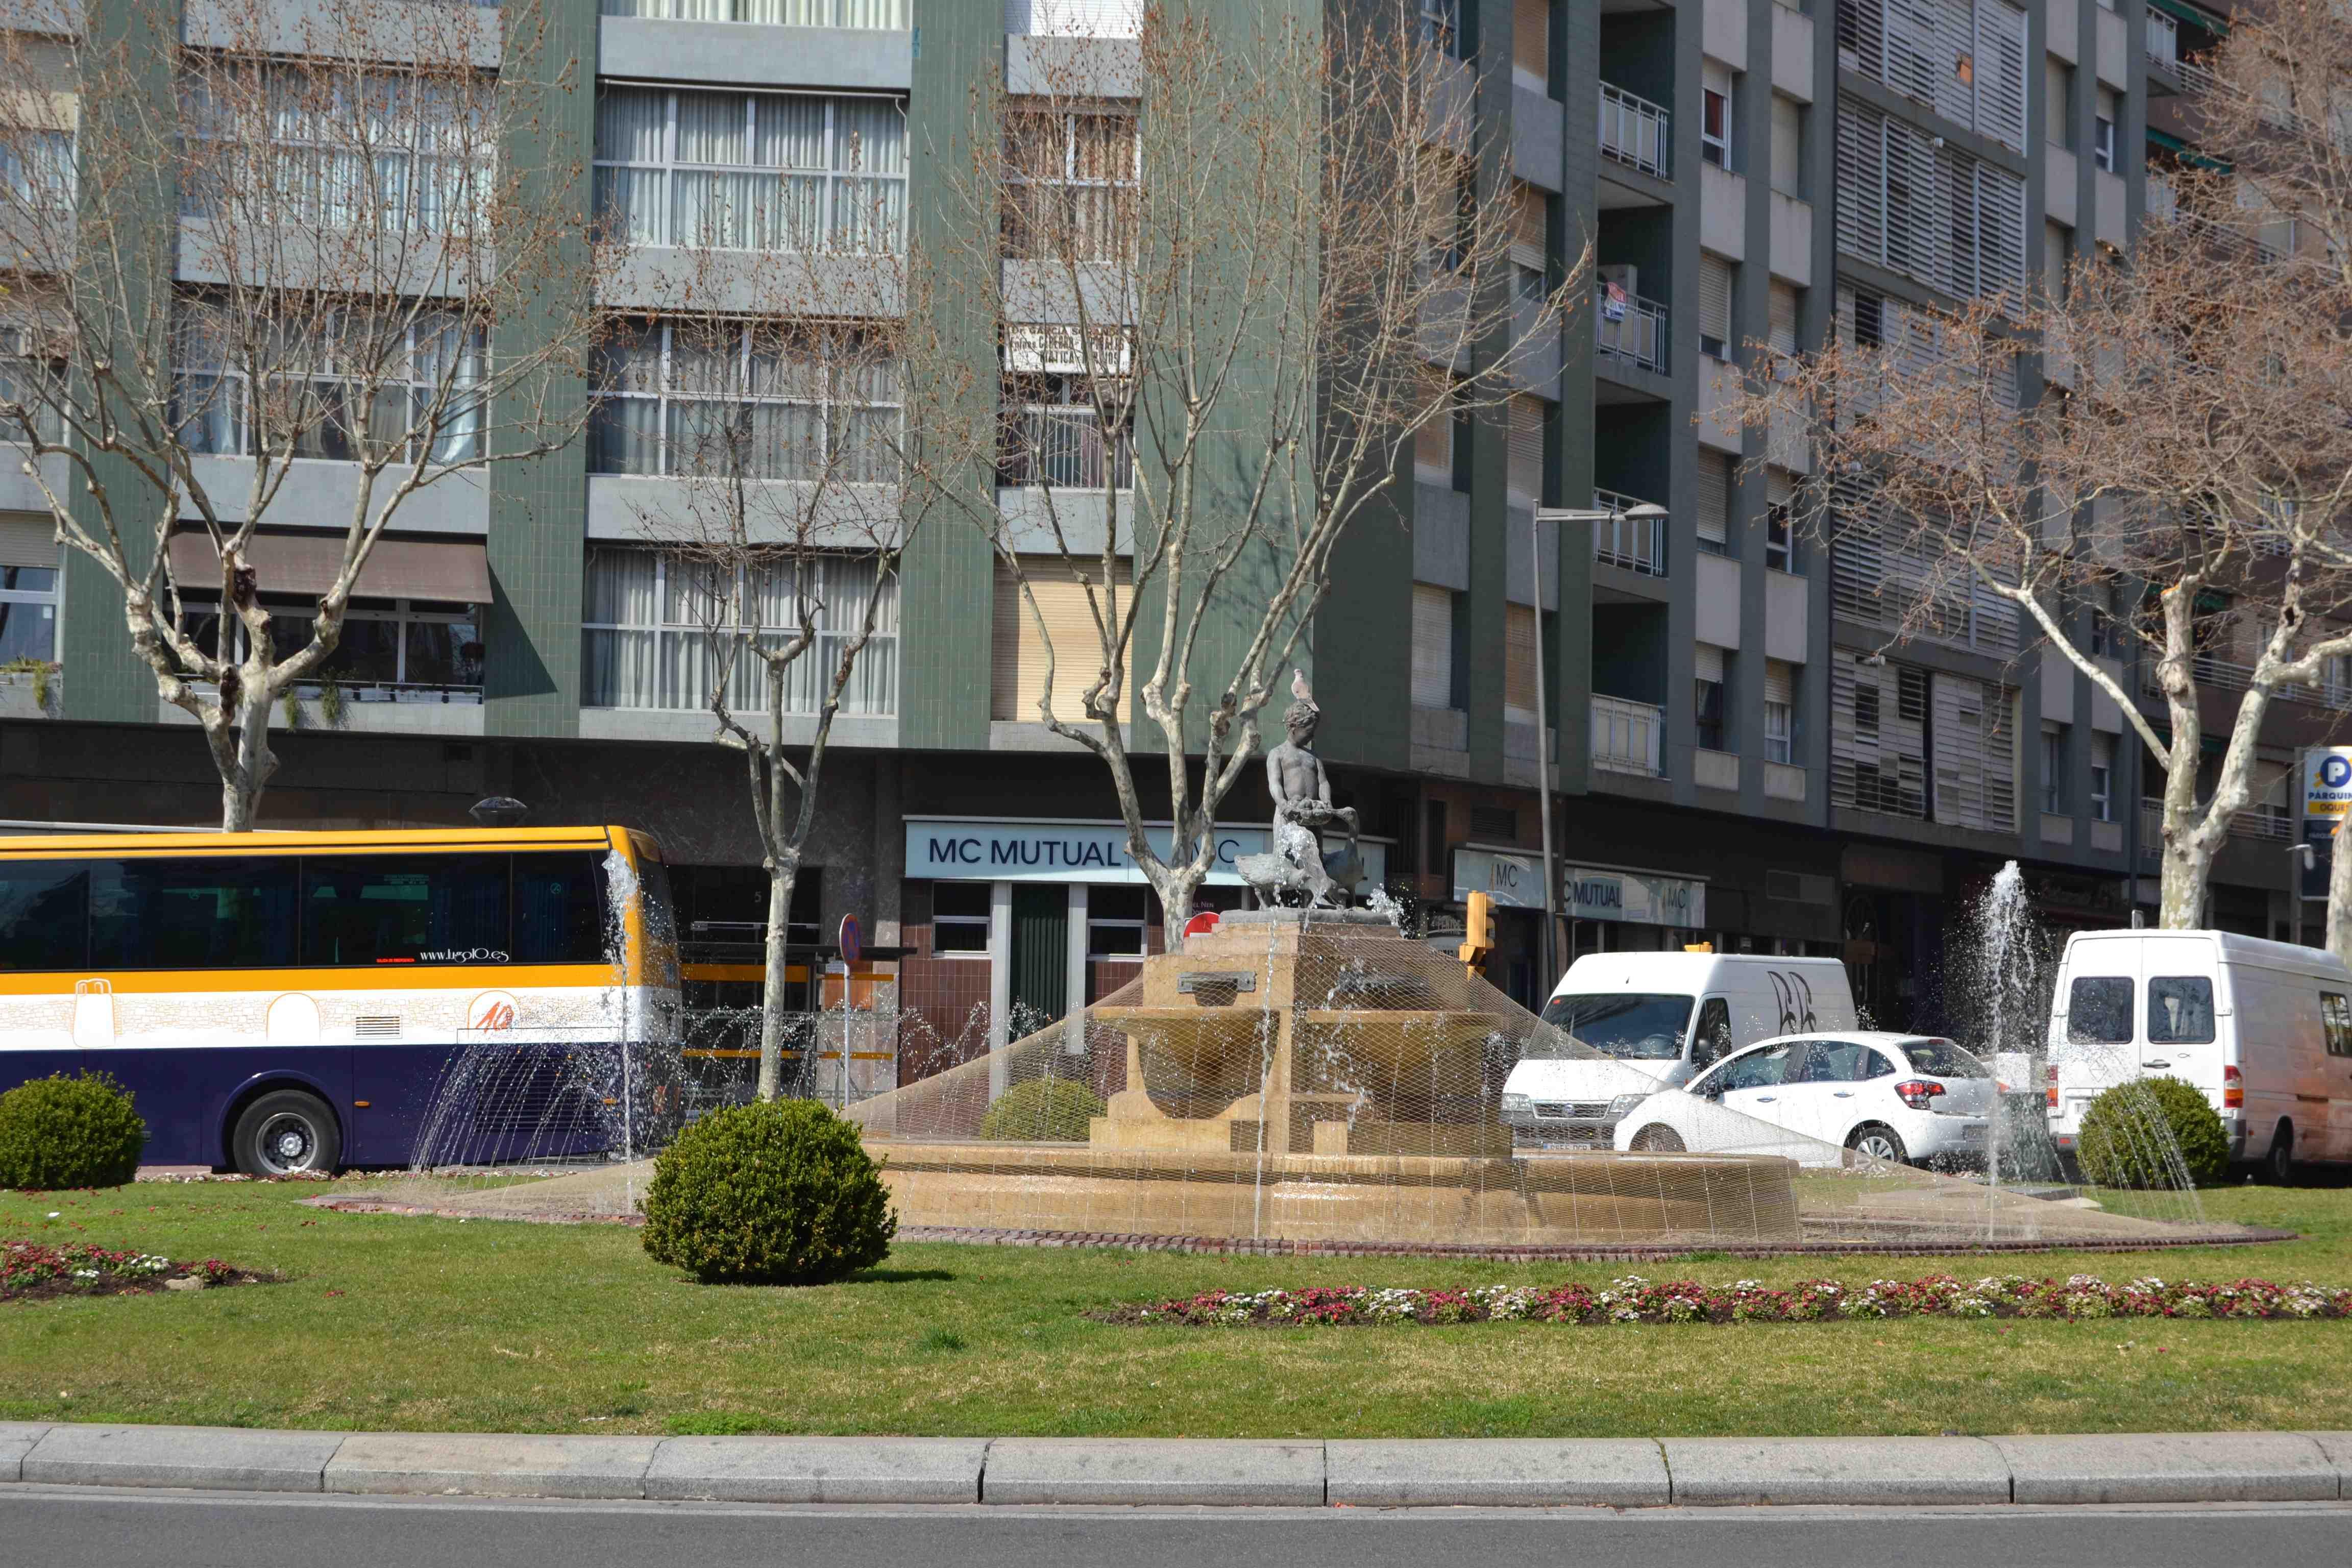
(632, 127)
(620, 663)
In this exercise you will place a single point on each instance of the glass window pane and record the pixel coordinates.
(27, 631)
(404, 909)
(444, 653)
(369, 651)
(214, 912)
(2179, 1010)
(44, 907)
(2099, 1010)
(559, 910)
(966, 898)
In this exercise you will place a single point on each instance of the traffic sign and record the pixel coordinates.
(852, 939)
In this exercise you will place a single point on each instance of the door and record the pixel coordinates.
(1753, 1085)
(2335, 1026)
(1041, 955)
(1821, 1092)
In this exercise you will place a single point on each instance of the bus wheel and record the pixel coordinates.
(2280, 1165)
(287, 1133)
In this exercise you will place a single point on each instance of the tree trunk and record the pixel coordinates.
(2339, 896)
(772, 989)
(2180, 899)
(1176, 889)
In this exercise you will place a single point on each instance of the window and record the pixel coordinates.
(2335, 1018)
(1115, 921)
(2057, 257)
(1715, 114)
(343, 147)
(1051, 434)
(1071, 183)
(31, 375)
(960, 918)
(760, 170)
(1432, 645)
(873, 13)
(2179, 1010)
(1779, 711)
(765, 400)
(1713, 524)
(316, 399)
(1934, 213)
(2102, 777)
(2058, 111)
(1780, 520)
(1865, 712)
(1713, 1036)
(37, 165)
(400, 910)
(2103, 130)
(1755, 1070)
(560, 910)
(43, 912)
(1066, 594)
(216, 912)
(1788, 146)
(2053, 767)
(1441, 25)
(650, 619)
(1706, 712)
(1715, 289)
(1783, 301)
(28, 613)
(2099, 1010)
(414, 643)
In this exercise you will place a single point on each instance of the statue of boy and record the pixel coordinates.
(1302, 805)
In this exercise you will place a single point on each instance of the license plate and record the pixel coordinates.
(1972, 1134)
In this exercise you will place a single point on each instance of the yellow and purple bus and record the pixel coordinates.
(282, 1002)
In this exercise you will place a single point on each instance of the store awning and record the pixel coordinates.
(452, 571)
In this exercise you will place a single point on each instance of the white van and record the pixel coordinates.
(1659, 1017)
(2263, 1027)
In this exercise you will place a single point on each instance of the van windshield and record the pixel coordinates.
(1634, 1026)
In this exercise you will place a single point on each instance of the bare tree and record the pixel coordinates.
(1229, 285)
(272, 239)
(2182, 480)
(792, 380)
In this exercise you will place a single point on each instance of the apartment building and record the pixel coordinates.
(1742, 753)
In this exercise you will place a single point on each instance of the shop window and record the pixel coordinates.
(960, 918)
(1115, 921)
(28, 613)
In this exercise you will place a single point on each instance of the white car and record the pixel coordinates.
(1890, 1098)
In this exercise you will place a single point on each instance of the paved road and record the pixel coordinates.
(69, 1527)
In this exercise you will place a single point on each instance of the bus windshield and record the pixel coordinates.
(1634, 1026)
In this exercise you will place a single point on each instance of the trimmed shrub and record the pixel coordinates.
(61, 1131)
(2129, 1131)
(775, 1194)
(1051, 1109)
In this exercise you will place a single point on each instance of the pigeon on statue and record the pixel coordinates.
(1299, 687)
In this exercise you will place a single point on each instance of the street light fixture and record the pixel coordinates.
(2302, 854)
(1643, 511)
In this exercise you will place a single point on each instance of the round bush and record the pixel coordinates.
(2129, 1130)
(1055, 1108)
(775, 1194)
(61, 1131)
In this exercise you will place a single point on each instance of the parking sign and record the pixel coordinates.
(2326, 800)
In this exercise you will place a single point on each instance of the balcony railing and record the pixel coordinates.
(884, 14)
(1636, 132)
(1626, 736)
(2271, 824)
(2163, 39)
(1628, 327)
(1634, 545)
(1063, 447)
(2222, 675)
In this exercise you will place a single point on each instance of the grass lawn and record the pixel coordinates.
(428, 1324)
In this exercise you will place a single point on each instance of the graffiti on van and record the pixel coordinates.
(1795, 994)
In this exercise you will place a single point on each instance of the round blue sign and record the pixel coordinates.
(2336, 772)
(852, 939)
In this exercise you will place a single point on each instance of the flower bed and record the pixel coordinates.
(1634, 1299)
(34, 1270)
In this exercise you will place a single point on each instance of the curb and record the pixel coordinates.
(1465, 1472)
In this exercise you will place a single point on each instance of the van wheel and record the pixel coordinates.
(1877, 1145)
(2279, 1166)
(1656, 1140)
(287, 1132)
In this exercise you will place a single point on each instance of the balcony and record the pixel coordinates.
(2223, 675)
(1636, 133)
(1629, 328)
(1629, 543)
(1626, 736)
(2264, 824)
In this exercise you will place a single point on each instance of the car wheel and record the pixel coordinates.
(1879, 1144)
(287, 1132)
(1657, 1139)
(2280, 1164)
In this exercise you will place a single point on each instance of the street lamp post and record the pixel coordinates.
(2299, 860)
(1646, 512)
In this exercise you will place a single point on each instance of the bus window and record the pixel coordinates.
(406, 908)
(43, 909)
(208, 913)
(559, 910)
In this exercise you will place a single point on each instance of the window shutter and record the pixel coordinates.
(1787, 145)
(2057, 239)
(2057, 113)
(1714, 297)
(1432, 645)
(1432, 444)
(1783, 333)
(1018, 655)
(1531, 38)
(1525, 478)
(1714, 519)
(1530, 225)
(28, 538)
(1780, 489)
(1519, 663)
(2000, 67)
(1706, 662)
(1860, 181)
(1779, 681)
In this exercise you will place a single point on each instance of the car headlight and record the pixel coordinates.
(1624, 1103)
(1518, 1103)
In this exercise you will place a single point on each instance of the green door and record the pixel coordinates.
(1041, 952)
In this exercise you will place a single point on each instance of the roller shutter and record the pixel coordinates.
(1020, 653)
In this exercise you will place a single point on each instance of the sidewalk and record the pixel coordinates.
(1619, 1472)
